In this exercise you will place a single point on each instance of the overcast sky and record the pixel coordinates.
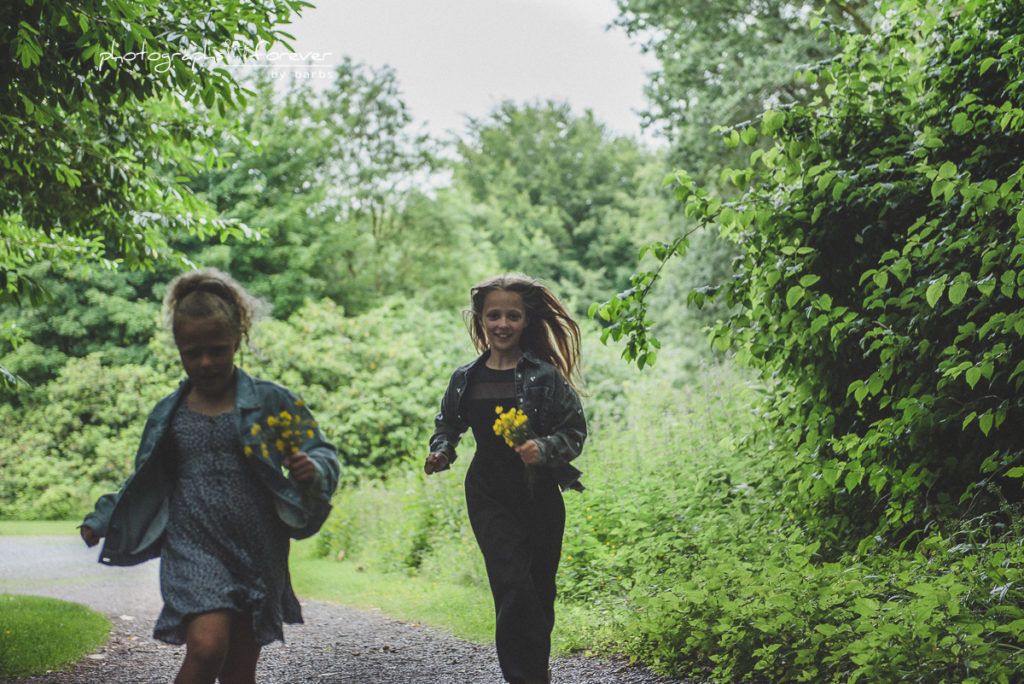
(462, 57)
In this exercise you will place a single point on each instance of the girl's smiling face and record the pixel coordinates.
(504, 319)
(207, 349)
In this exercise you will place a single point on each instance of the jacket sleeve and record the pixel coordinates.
(99, 519)
(448, 427)
(325, 459)
(567, 428)
(315, 495)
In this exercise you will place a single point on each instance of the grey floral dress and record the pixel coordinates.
(225, 548)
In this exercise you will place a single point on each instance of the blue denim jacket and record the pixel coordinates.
(555, 415)
(133, 519)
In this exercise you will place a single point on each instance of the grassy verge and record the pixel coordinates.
(40, 634)
(42, 528)
(462, 611)
(465, 612)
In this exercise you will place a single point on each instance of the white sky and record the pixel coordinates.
(462, 57)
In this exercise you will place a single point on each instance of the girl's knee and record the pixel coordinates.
(208, 637)
(208, 649)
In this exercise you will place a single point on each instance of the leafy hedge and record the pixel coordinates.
(374, 382)
(682, 554)
(882, 278)
(75, 439)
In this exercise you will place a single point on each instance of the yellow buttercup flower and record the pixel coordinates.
(282, 435)
(511, 426)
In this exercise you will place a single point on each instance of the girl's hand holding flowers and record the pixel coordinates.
(283, 435)
(512, 426)
(301, 467)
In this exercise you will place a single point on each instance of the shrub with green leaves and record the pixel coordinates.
(882, 278)
(75, 438)
(683, 555)
(374, 380)
(408, 523)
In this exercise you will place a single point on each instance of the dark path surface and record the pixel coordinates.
(336, 644)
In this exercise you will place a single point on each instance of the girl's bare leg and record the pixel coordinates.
(243, 652)
(219, 644)
(206, 647)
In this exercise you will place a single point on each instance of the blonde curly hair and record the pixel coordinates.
(210, 292)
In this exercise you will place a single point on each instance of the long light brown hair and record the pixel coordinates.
(551, 333)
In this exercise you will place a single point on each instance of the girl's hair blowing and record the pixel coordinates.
(551, 333)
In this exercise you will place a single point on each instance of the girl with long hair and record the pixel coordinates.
(520, 399)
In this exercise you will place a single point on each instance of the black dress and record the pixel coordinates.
(518, 522)
(225, 548)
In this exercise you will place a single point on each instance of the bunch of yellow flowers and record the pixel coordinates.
(511, 425)
(282, 434)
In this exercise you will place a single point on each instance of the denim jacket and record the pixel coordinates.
(133, 519)
(555, 415)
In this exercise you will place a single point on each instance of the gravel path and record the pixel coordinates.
(336, 644)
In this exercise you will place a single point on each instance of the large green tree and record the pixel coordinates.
(103, 108)
(880, 287)
(91, 311)
(333, 185)
(560, 197)
(722, 62)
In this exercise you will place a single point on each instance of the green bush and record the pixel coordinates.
(408, 523)
(881, 278)
(683, 555)
(764, 607)
(74, 436)
(373, 381)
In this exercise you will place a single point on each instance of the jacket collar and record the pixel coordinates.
(245, 390)
(528, 356)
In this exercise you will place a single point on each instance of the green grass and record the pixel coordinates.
(39, 634)
(465, 612)
(42, 528)
(26, 647)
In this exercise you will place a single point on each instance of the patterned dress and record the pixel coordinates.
(225, 548)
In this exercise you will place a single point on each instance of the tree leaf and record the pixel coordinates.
(935, 290)
(794, 295)
(957, 290)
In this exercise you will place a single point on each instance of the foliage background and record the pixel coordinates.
(828, 491)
